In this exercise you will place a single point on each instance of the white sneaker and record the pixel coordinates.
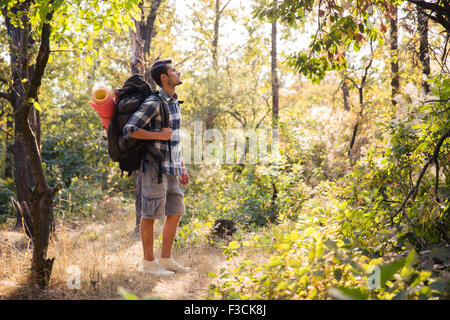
(155, 268)
(172, 265)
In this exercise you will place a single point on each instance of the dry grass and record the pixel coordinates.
(107, 252)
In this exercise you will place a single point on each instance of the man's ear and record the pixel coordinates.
(164, 76)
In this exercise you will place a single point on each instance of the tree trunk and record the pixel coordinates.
(215, 42)
(23, 177)
(9, 160)
(19, 45)
(141, 41)
(355, 128)
(345, 95)
(424, 55)
(140, 64)
(22, 97)
(395, 76)
(275, 85)
(23, 181)
(275, 104)
(360, 88)
(211, 113)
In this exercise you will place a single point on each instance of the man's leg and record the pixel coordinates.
(169, 232)
(147, 235)
(174, 204)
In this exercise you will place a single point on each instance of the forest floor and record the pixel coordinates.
(106, 254)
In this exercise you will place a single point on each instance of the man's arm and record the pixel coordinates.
(134, 127)
(184, 174)
(164, 134)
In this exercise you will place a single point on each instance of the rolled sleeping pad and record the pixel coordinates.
(103, 103)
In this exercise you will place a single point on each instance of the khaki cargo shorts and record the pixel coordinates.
(160, 199)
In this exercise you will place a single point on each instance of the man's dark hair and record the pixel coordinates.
(158, 68)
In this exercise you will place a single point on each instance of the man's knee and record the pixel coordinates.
(173, 218)
(147, 221)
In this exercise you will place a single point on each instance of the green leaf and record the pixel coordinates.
(295, 263)
(438, 286)
(340, 243)
(342, 293)
(37, 106)
(337, 273)
(127, 295)
(275, 261)
(152, 298)
(411, 258)
(400, 296)
(388, 270)
(234, 245)
(444, 193)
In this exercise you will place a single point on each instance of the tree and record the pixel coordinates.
(274, 70)
(346, 25)
(207, 18)
(424, 54)
(215, 42)
(437, 10)
(360, 87)
(22, 170)
(395, 75)
(140, 64)
(340, 26)
(39, 18)
(141, 39)
(23, 97)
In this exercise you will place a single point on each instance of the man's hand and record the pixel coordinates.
(166, 134)
(184, 177)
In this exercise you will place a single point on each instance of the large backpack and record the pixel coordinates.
(130, 153)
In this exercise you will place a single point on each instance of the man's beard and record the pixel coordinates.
(176, 82)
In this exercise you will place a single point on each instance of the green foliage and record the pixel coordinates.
(267, 194)
(308, 261)
(6, 192)
(339, 28)
(128, 295)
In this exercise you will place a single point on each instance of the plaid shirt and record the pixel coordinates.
(148, 117)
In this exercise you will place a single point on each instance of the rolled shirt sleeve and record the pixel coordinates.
(148, 110)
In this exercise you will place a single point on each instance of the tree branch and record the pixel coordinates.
(442, 15)
(149, 27)
(366, 70)
(263, 117)
(6, 96)
(430, 160)
(427, 5)
(41, 62)
(7, 133)
(22, 113)
(223, 8)
(236, 115)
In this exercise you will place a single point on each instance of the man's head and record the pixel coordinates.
(163, 72)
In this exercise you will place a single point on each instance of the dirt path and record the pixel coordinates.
(105, 255)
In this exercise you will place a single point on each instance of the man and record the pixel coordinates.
(164, 199)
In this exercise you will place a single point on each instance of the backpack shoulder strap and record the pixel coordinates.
(164, 109)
